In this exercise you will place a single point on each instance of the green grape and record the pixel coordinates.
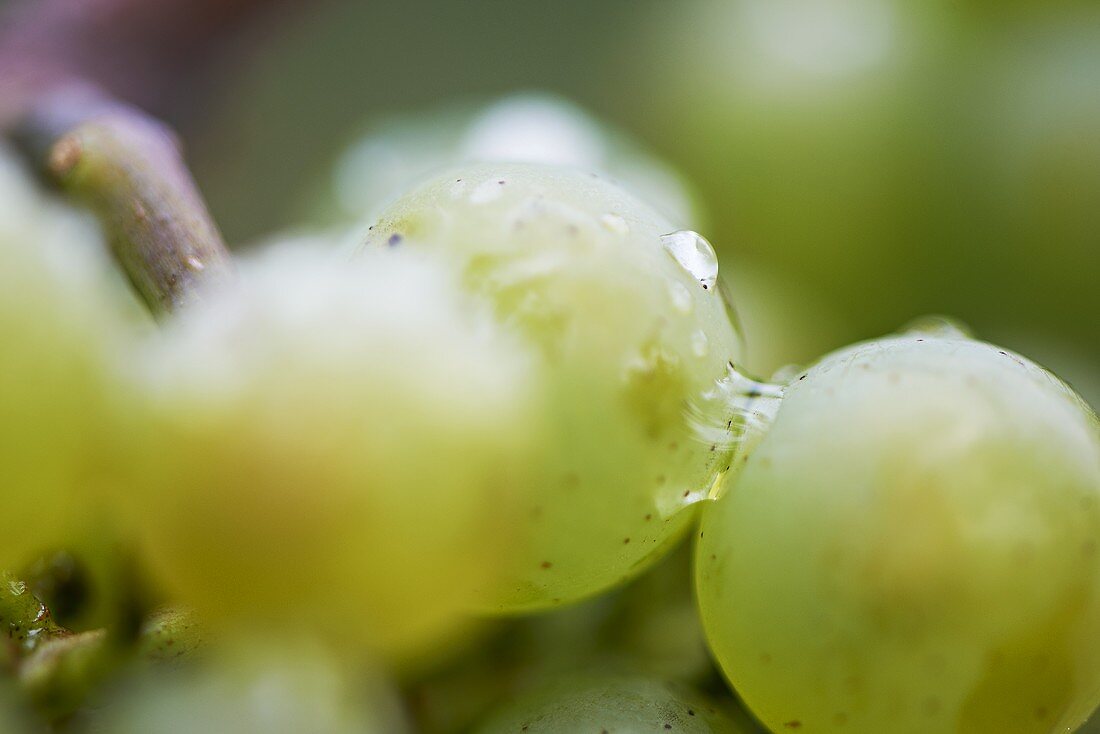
(334, 449)
(912, 547)
(260, 687)
(62, 322)
(64, 670)
(633, 343)
(23, 617)
(613, 704)
(170, 634)
(529, 127)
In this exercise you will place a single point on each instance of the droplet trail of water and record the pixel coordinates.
(694, 254)
(734, 414)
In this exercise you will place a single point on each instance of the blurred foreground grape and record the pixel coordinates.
(336, 448)
(633, 340)
(913, 547)
(530, 127)
(64, 321)
(280, 686)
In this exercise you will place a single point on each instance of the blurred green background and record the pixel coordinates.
(856, 163)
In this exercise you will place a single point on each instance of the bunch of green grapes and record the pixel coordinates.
(616, 704)
(913, 547)
(335, 447)
(63, 321)
(632, 344)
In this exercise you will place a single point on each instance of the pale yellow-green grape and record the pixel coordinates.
(529, 127)
(64, 672)
(613, 704)
(633, 341)
(24, 619)
(277, 687)
(62, 321)
(913, 547)
(337, 447)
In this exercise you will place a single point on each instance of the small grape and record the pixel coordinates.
(619, 704)
(24, 619)
(275, 687)
(528, 127)
(632, 341)
(330, 449)
(913, 547)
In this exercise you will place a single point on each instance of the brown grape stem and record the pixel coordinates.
(127, 167)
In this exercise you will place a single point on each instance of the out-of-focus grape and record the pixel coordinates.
(633, 341)
(650, 627)
(337, 448)
(64, 323)
(278, 687)
(532, 127)
(913, 547)
(626, 704)
(896, 157)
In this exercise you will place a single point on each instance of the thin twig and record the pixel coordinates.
(127, 168)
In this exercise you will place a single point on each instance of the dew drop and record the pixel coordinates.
(938, 326)
(700, 346)
(695, 255)
(681, 298)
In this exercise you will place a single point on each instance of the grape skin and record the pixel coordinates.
(913, 548)
(576, 266)
(328, 448)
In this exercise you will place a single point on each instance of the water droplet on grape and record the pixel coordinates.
(700, 346)
(681, 298)
(695, 255)
(942, 326)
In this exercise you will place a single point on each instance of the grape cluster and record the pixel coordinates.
(520, 392)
